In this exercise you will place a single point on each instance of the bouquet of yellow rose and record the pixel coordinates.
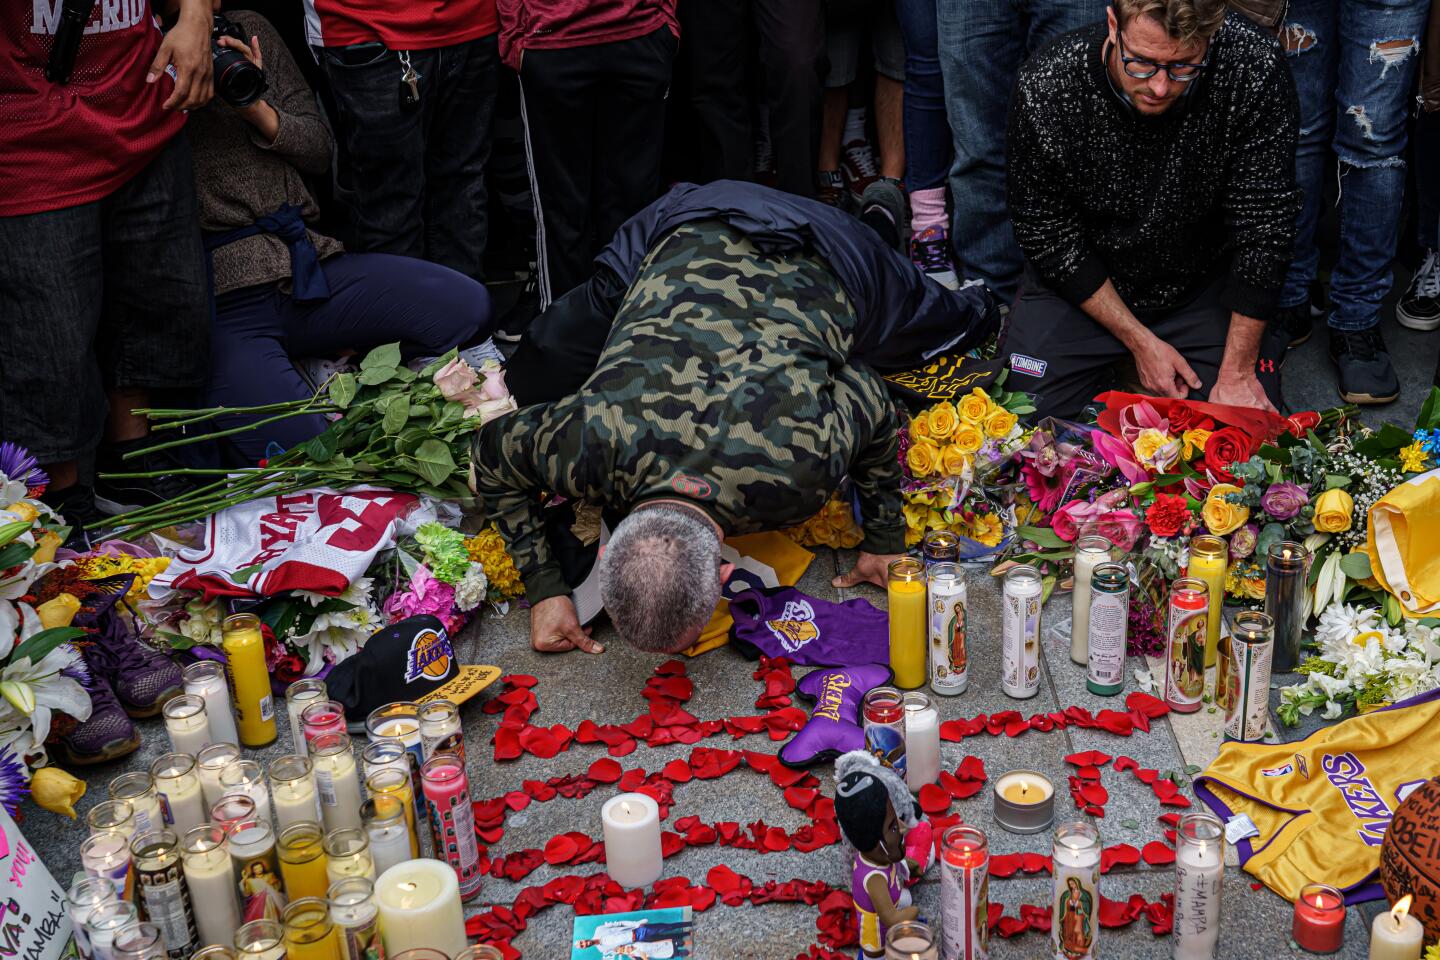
(834, 526)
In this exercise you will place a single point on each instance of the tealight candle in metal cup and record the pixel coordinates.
(1024, 802)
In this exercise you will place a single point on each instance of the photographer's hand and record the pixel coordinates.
(259, 114)
(187, 48)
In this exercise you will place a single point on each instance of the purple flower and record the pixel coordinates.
(1243, 540)
(17, 464)
(14, 780)
(1284, 500)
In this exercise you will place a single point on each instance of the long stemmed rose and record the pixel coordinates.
(395, 428)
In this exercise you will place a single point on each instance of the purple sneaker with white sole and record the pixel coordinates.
(109, 733)
(144, 679)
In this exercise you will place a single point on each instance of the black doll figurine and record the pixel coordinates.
(875, 811)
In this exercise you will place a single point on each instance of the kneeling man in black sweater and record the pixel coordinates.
(1151, 168)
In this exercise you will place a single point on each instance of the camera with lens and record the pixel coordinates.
(237, 81)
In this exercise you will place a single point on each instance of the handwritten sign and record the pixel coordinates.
(34, 924)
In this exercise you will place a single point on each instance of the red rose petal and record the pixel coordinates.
(776, 840)
(934, 799)
(1094, 793)
(968, 789)
(952, 731)
(604, 770)
(671, 844)
(1115, 913)
(1037, 918)
(1088, 758)
(1157, 854)
(1004, 864)
(1121, 853)
(1149, 705)
(1014, 728)
(677, 771)
(948, 783)
(1170, 819)
(1088, 772)
(559, 850)
(996, 911)
(1034, 862)
(1010, 926)
(971, 768)
(1146, 775)
(1123, 763)
(800, 798)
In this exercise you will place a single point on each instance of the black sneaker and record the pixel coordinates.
(516, 321)
(1298, 322)
(830, 189)
(119, 494)
(1419, 309)
(76, 504)
(883, 209)
(1365, 373)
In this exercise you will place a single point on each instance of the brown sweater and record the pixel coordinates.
(240, 178)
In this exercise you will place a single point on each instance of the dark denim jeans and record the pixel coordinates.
(1354, 64)
(413, 179)
(927, 132)
(982, 44)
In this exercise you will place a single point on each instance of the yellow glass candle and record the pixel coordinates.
(309, 932)
(906, 595)
(1208, 559)
(244, 647)
(303, 861)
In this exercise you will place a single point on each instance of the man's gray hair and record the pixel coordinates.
(660, 576)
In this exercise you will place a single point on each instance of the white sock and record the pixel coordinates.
(854, 124)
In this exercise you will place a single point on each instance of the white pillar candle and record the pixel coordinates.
(206, 680)
(247, 779)
(211, 762)
(181, 800)
(922, 741)
(338, 780)
(1199, 873)
(1395, 935)
(298, 696)
(1090, 552)
(210, 875)
(633, 856)
(292, 791)
(186, 723)
(420, 906)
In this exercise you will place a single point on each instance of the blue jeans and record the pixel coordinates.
(927, 132)
(1354, 66)
(982, 44)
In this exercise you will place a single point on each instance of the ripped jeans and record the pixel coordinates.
(1354, 65)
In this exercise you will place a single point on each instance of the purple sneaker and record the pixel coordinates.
(930, 251)
(143, 678)
(107, 735)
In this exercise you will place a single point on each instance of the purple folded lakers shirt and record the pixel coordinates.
(783, 622)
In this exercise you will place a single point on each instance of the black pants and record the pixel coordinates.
(791, 36)
(413, 178)
(1065, 358)
(594, 129)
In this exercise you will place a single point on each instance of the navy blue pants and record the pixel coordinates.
(375, 298)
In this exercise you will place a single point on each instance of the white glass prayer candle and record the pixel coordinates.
(216, 951)
(105, 921)
(257, 867)
(440, 730)
(401, 721)
(187, 724)
(911, 940)
(1199, 873)
(356, 916)
(396, 783)
(138, 789)
(387, 753)
(261, 940)
(112, 815)
(84, 896)
(106, 854)
(348, 854)
(206, 680)
(632, 840)
(231, 808)
(391, 840)
(338, 780)
(182, 802)
(1395, 935)
(210, 877)
(420, 906)
(298, 696)
(160, 888)
(293, 792)
(246, 778)
(144, 941)
(1075, 900)
(1020, 632)
(1090, 552)
(210, 763)
(922, 741)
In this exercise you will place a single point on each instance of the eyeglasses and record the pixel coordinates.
(1143, 69)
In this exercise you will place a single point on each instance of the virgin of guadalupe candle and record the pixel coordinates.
(1075, 902)
(1090, 552)
(1199, 872)
(1286, 568)
(1185, 645)
(337, 779)
(965, 893)
(347, 854)
(244, 647)
(141, 941)
(401, 721)
(948, 622)
(138, 790)
(210, 878)
(395, 784)
(309, 932)
(106, 854)
(1108, 629)
(321, 717)
(1209, 560)
(357, 918)
(1020, 632)
(206, 680)
(261, 940)
(105, 921)
(882, 712)
(1319, 921)
(631, 825)
(252, 849)
(301, 848)
(186, 723)
(112, 815)
(452, 819)
(209, 763)
(440, 729)
(419, 903)
(922, 741)
(182, 802)
(1247, 676)
(1395, 935)
(905, 593)
(298, 696)
(911, 940)
(160, 882)
(245, 777)
(84, 896)
(293, 792)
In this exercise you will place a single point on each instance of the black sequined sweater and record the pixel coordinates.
(1161, 206)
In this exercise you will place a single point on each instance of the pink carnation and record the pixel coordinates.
(424, 595)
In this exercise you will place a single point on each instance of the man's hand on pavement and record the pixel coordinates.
(554, 628)
(869, 568)
(1240, 390)
(187, 48)
(1163, 371)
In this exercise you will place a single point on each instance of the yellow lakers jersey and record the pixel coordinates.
(1317, 809)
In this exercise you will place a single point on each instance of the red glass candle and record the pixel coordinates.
(320, 718)
(452, 822)
(1319, 919)
(964, 893)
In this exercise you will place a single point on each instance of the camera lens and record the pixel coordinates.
(238, 81)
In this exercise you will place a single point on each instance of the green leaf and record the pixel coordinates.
(1393, 611)
(1130, 824)
(43, 642)
(1042, 536)
(9, 531)
(1356, 565)
(1386, 440)
(434, 462)
(387, 355)
(280, 616)
(1191, 769)
(342, 389)
(243, 575)
(14, 554)
(1429, 411)
(395, 417)
(375, 376)
(1337, 481)
(410, 439)
(177, 641)
(321, 447)
(404, 374)
(434, 366)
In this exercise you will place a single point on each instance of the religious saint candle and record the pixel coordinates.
(391, 839)
(1185, 645)
(1287, 565)
(162, 894)
(632, 840)
(1090, 552)
(301, 848)
(1209, 559)
(948, 624)
(206, 680)
(85, 895)
(1395, 935)
(1075, 900)
(882, 711)
(106, 854)
(338, 780)
(419, 903)
(112, 815)
(1020, 632)
(1199, 873)
(965, 893)
(252, 848)
(1024, 802)
(356, 916)
(210, 878)
(347, 853)
(401, 721)
(452, 820)
(1319, 922)
(293, 792)
(310, 934)
(246, 778)
(1109, 624)
(440, 729)
(138, 790)
(922, 741)
(182, 802)
(142, 941)
(911, 940)
(104, 922)
(261, 940)
(905, 593)
(186, 723)
(244, 647)
(298, 696)
(321, 717)
(1249, 655)
(210, 762)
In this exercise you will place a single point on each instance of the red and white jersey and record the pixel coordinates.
(62, 145)
(399, 24)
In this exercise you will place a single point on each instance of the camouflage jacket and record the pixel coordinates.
(725, 382)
